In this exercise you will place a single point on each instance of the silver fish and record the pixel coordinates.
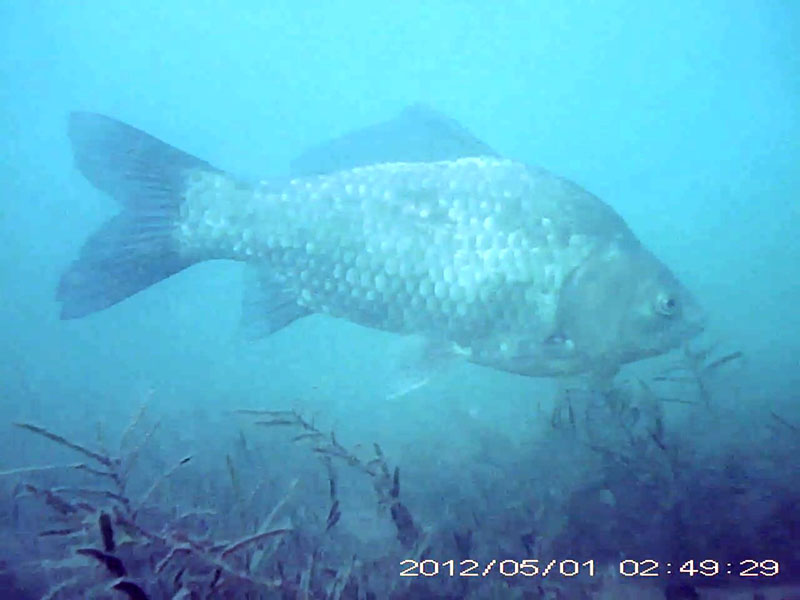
(506, 264)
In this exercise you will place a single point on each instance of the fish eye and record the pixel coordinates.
(666, 305)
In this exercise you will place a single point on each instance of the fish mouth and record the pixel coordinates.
(695, 319)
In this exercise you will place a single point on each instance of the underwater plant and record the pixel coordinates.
(287, 511)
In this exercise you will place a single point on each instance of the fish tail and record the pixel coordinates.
(137, 247)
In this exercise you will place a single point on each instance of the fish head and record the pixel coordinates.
(621, 305)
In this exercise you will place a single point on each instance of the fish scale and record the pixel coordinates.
(431, 230)
(522, 270)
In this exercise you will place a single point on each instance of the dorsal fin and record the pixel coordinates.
(418, 134)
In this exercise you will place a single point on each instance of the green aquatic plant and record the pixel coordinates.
(143, 549)
(385, 481)
(701, 368)
(274, 514)
(106, 535)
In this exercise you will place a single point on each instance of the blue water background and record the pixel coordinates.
(684, 116)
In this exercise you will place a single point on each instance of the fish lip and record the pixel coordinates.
(696, 321)
(697, 329)
(694, 317)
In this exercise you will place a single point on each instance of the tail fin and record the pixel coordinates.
(136, 248)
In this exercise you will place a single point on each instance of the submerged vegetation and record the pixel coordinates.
(291, 512)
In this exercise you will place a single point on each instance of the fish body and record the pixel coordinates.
(510, 265)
